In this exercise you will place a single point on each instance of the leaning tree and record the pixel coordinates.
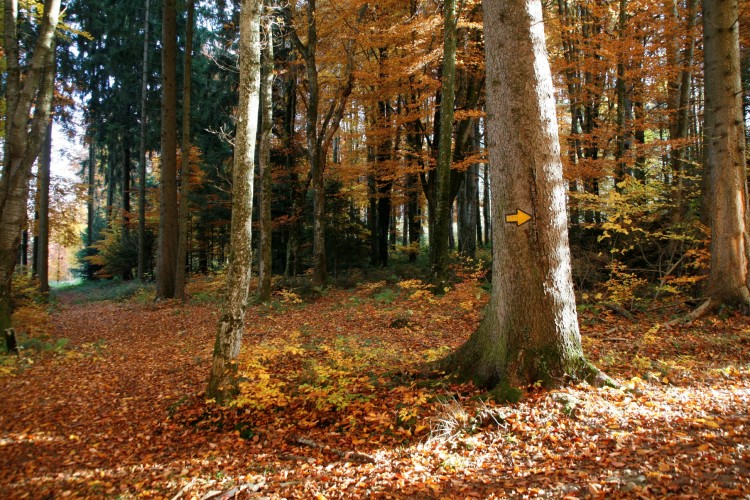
(223, 384)
(28, 101)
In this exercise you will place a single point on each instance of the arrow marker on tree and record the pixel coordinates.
(520, 218)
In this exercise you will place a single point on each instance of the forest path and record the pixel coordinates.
(330, 409)
(93, 412)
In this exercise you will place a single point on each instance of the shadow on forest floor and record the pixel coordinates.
(328, 409)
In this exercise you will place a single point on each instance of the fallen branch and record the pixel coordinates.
(617, 309)
(254, 487)
(353, 456)
(693, 315)
(294, 458)
(184, 489)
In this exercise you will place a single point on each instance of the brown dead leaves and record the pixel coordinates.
(332, 409)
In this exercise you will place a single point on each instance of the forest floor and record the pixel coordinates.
(107, 401)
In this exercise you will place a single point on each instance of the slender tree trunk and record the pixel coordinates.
(530, 330)
(439, 246)
(487, 208)
(27, 115)
(266, 98)
(91, 200)
(679, 130)
(223, 384)
(319, 139)
(467, 228)
(42, 246)
(168, 225)
(725, 155)
(184, 208)
(413, 216)
(125, 188)
(142, 152)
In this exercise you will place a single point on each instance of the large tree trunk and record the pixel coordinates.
(184, 209)
(167, 259)
(530, 330)
(142, 153)
(223, 384)
(266, 98)
(725, 155)
(24, 136)
(442, 218)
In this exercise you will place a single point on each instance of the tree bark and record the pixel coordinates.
(184, 208)
(266, 98)
(442, 223)
(223, 384)
(24, 136)
(679, 127)
(530, 330)
(320, 135)
(725, 155)
(142, 152)
(168, 225)
(42, 246)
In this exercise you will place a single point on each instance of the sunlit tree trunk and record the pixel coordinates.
(725, 155)
(142, 152)
(184, 208)
(168, 224)
(223, 384)
(266, 98)
(530, 329)
(30, 97)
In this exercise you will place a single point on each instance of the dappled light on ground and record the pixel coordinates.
(333, 405)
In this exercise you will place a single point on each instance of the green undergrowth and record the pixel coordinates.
(113, 290)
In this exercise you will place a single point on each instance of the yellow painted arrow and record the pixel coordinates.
(520, 218)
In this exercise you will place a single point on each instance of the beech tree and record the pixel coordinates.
(223, 384)
(266, 97)
(530, 330)
(28, 93)
(442, 225)
(320, 128)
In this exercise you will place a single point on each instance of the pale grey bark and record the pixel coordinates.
(725, 155)
(223, 384)
(24, 137)
(530, 330)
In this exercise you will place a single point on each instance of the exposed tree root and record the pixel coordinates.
(596, 377)
(695, 314)
(352, 456)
